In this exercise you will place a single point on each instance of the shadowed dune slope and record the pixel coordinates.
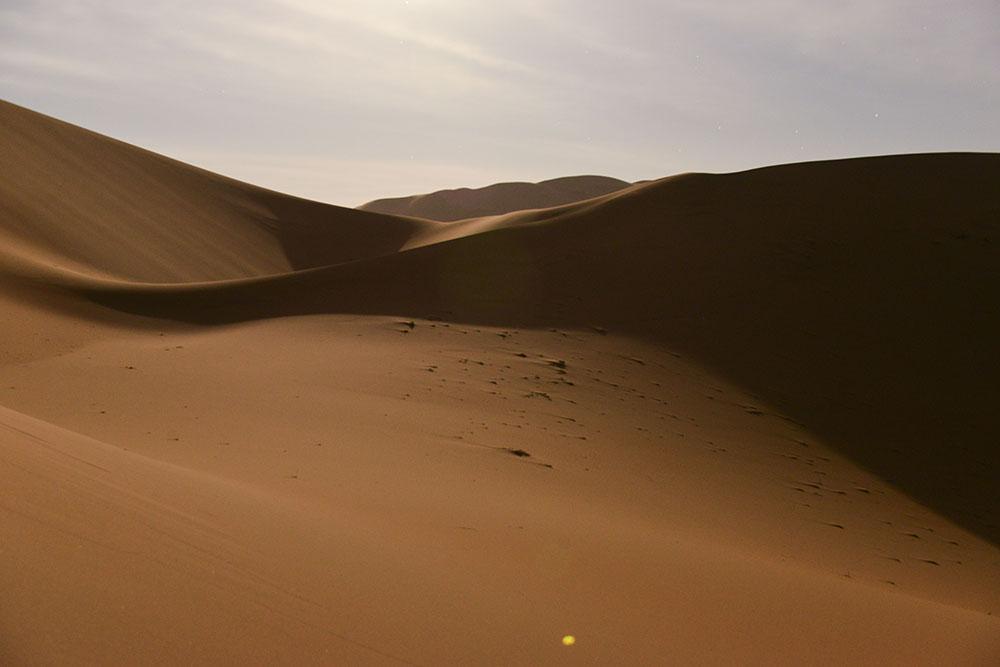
(497, 199)
(78, 200)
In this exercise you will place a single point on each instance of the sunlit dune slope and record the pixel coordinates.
(498, 198)
(79, 200)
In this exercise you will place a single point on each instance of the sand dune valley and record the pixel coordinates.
(741, 418)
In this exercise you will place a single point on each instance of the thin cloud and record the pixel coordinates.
(50, 65)
(390, 26)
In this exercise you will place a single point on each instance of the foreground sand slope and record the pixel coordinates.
(448, 205)
(714, 419)
(351, 506)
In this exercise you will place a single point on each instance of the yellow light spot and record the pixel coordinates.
(569, 640)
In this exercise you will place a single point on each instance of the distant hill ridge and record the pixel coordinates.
(497, 199)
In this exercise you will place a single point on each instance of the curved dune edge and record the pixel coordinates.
(32, 265)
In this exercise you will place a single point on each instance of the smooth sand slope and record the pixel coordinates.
(743, 418)
(449, 205)
(76, 200)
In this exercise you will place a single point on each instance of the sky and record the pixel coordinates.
(349, 101)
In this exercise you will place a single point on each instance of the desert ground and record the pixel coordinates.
(744, 418)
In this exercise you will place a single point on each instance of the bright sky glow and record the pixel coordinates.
(349, 101)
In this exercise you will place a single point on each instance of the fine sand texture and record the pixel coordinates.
(497, 199)
(722, 419)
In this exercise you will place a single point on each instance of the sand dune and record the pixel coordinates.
(497, 199)
(710, 419)
(77, 200)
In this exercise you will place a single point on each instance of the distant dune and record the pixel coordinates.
(449, 205)
(738, 418)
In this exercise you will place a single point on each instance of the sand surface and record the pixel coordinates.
(713, 419)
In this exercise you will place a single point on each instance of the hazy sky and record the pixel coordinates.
(348, 101)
